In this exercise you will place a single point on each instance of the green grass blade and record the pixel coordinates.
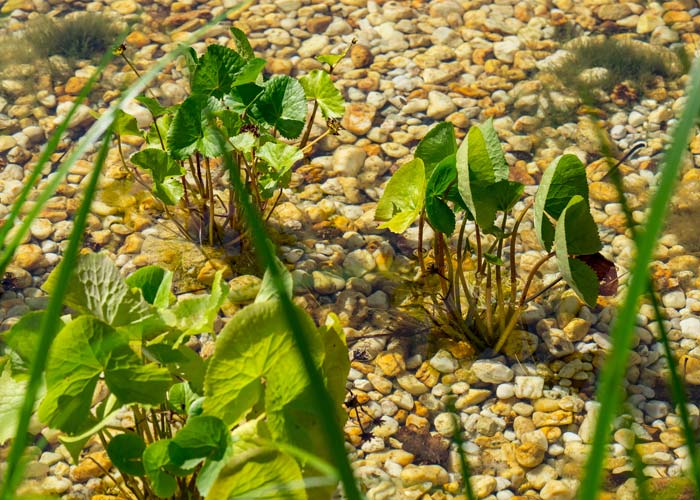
(463, 465)
(49, 327)
(266, 257)
(679, 397)
(614, 369)
(95, 132)
(51, 146)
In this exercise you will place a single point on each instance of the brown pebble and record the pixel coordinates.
(361, 56)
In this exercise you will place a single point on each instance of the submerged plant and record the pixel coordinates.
(259, 119)
(479, 294)
(608, 61)
(83, 35)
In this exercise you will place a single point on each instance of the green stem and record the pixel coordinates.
(49, 327)
(532, 274)
(613, 371)
(307, 132)
(325, 405)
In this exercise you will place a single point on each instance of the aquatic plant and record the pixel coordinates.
(619, 60)
(83, 35)
(132, 334)
(479, 298)
(258, 117)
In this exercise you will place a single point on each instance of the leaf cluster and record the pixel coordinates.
(479, 288)
(258, 119)
(129, 335)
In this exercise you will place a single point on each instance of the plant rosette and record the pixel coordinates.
(479, 298)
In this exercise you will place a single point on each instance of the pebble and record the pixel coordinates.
(358, 118)
(443, 362)
(493, 372)
(528, 387)
(416, 474)
(674, 299)
(439, 105)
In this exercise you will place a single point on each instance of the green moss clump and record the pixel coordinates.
(623, 60)
(85, 35)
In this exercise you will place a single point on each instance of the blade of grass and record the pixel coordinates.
(49, 327)
(679, 397)
(463, 465)
(49, 149)
(613, 371)
(265, 255)
(91, 136)
(678, 394)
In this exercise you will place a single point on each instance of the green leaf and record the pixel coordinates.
(268, 290)
(258, 337)
(280, 156)
(244, 142)
(242, 97)
(318, 85)
(126, 453)
(242, 44)
(84, 349)
(201, 437)
(216, 71)
(23, 338)
(333, 59)
(581, 230)
(506, 194)
(163, 124)
(164, 171)
(336, 364)
(182, 362)
(134, 382)
(480, 165)
(186, 128)
(403, 198)
(263, 473)
(158, 162)
(152, 105)
(125, 124)
(579, 276)
(11, 399)
(197, 314)
(105, 413)
(494, 150)
(564, 178)
(72, 372)
(99, 289)
(249, 73)
(154, 283)
(439, 214)
(155, 460)
(438, 143)
(283, 106)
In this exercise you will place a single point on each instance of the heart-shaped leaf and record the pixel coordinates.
(283, 105)
(578, 275)
(439, 214)
(403, 198)
(564, 178)
(126, 452)
(437, 144)
(318, 85)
